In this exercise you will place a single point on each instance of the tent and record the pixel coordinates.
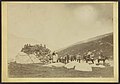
(23, 58)
(71, 64)
(79, 66)
(83, 67)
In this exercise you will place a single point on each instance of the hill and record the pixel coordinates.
(95, 44)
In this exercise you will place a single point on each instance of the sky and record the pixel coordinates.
(59, 24)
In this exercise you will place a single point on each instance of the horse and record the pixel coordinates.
(101, 58)
(87, 58)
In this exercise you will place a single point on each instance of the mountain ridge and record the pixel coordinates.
(87, 40)
(102, 42)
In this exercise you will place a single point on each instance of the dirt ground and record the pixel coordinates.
(37, 70)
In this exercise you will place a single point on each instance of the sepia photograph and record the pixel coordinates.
(60, 41)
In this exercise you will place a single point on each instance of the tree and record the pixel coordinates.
(38, 50)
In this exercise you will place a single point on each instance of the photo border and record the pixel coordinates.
(4, 50)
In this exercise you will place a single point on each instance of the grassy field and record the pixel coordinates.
(37, 70)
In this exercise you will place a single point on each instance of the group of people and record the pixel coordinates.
(53, 58)
(64, 59)
(89, 56)
(67, 58)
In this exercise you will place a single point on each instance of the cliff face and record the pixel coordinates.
(102, 42)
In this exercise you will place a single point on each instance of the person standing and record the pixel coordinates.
(92, 56)
(56, 54)
(54, 57)
(71, 58)
(89, 53)
(64, 59)
(67, 58)
(78, 58)
(50, 58)
(61, 59)
(74, 58)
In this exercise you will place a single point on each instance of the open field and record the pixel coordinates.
(37, 70)
(95, 45)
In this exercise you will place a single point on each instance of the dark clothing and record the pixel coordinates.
(78, 60)
(74, 58)
(67, 58)
(53, 53)
(71, 58)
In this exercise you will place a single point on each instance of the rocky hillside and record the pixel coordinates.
(102, 42)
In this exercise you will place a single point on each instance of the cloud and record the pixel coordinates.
(86, 13)
(59, 25)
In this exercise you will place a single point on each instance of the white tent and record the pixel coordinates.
(79, 66)
(83, 67)
(71, 64)
(23, 58)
